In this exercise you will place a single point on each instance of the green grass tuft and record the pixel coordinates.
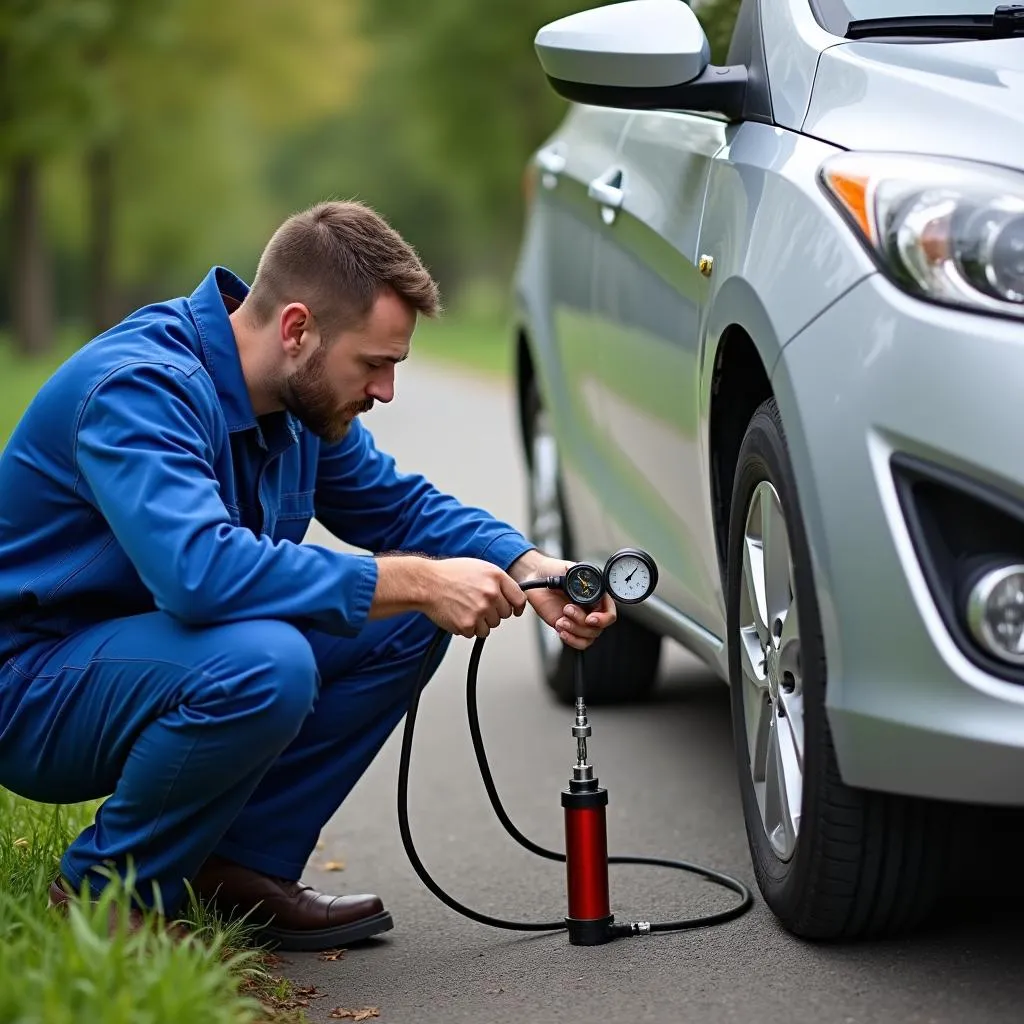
(57, 967)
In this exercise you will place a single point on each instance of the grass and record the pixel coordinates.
(478, 342)
(57, 969)
(21, 377)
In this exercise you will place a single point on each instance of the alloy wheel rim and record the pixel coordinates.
(546, 524)
(771, 670)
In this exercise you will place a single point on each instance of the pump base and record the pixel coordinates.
(590, 933)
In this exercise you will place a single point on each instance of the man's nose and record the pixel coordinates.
(382, 389)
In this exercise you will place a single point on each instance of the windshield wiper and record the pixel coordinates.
(1006, 21)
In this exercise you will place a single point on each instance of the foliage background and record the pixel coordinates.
(144, 142)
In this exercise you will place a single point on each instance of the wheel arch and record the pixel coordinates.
(740, 354)
(525, 372)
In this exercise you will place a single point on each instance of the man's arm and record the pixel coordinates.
(363, 499)
(144, 452)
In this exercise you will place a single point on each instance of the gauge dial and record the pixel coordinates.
(584, 584)
(631, 576)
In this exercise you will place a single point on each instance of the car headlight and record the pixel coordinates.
(945, 230)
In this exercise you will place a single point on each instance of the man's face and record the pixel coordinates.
(339, 380)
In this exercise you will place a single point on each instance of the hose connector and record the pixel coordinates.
(544, 583)
(581, 731)
(628, 928)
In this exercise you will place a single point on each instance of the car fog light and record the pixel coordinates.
(995, 612)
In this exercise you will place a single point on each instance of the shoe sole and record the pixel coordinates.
(327, 938)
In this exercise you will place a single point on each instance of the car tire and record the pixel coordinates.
(853, 863)
(621, 666)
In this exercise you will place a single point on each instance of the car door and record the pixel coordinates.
(648, 292)
(565, 231)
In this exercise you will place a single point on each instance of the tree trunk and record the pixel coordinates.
(31, 301)
(100, 173)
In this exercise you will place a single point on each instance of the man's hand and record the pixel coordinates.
(472, 596)
(465, 596)
(576, 627)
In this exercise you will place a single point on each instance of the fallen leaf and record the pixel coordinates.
(332, 954)
(339, 1013)
(334, 865)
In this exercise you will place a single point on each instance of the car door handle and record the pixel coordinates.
(607, 190)
(551, 160)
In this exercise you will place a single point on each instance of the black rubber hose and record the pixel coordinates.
(718, 877)
(403, 813)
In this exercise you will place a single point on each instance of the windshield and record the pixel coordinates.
(835, 15)
(860, 9)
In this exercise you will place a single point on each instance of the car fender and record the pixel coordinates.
(780, 252)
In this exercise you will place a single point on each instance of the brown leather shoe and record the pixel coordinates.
(60, 898)
(290, 915)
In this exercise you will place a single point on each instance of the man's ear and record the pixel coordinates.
(298, 331)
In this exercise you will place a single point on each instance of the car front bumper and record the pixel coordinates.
(880, 374)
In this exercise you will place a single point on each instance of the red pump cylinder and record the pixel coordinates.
(586, 853)
(586, 863)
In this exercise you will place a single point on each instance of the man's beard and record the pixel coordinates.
(308, 397)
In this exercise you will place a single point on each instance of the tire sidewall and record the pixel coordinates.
(558, 673)
(764, 456)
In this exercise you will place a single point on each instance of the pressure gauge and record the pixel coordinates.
(584, 584)
(631, 576)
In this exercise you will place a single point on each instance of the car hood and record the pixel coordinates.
(963, 99)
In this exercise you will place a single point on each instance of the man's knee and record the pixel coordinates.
(410, 639)
(423, 632)
(267, 671)
(416, 651)
(389, 653)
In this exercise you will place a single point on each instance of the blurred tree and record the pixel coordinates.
(198, 126)
(212, 91)
(126, 36)
(718, 18)
(46, 97)
(367, 153)
(477, 104)
(171, 107)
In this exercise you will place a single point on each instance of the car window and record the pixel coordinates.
(835, 15)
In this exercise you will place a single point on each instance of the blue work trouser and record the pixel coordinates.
(241, 738)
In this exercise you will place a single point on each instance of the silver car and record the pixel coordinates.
(770, 329)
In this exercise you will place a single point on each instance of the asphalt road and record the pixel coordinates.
(669, 772)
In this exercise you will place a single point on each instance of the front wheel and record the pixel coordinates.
(831, 861)
(622, 664)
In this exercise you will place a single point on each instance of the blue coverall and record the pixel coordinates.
(164, 637)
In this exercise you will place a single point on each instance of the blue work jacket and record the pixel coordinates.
(139, 478)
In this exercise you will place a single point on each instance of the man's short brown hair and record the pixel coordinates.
(336, 258)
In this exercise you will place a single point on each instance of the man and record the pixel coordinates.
(166, 640)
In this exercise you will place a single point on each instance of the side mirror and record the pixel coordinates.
(638, 55)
